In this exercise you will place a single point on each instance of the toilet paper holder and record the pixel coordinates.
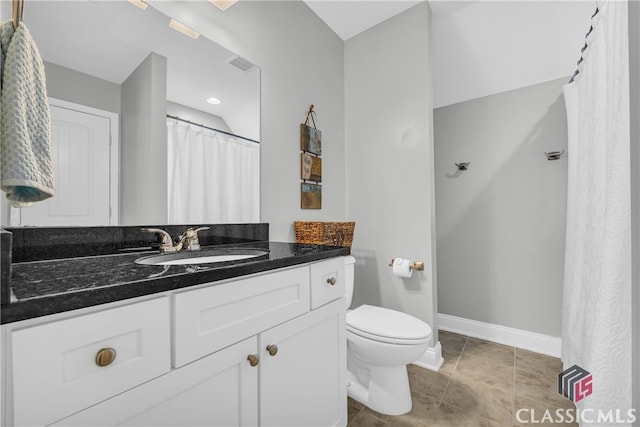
(417, 265)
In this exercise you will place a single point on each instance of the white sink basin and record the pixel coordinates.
(207, 256)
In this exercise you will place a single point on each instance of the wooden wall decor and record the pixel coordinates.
(311, 168)
(310, 139)
(310, 163)
(311, 195)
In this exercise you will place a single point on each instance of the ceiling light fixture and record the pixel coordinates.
(223, 4)
(139, 3)
(214, 101)
(178, 26)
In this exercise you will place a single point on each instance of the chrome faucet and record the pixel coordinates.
(188, 240)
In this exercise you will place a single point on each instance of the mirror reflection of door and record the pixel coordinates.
(81, 143)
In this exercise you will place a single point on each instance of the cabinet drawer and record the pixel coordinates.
(212, 318)
(217, 390)
(327, 281)
(55, 365)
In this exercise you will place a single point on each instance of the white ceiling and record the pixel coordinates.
(481, 47)
(348, 18)
(488, 47)
(109, 39)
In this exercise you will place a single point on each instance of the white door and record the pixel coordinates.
(82, 156)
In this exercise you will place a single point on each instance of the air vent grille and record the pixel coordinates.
(241, 63)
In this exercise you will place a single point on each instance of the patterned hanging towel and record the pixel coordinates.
(26, 166)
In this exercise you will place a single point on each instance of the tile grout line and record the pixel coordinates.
(453, 370)
(466, 341)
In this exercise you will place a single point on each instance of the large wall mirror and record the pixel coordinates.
(111, 59)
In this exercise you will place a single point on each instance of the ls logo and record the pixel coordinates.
(575, 383)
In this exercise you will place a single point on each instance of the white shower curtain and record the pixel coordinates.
(596, 319)
(213, 178)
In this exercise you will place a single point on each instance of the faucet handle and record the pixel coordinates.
(199, 229)
(190, 236)
(166, 244)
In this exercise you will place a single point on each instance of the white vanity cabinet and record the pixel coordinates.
(55, 368)
(248, 352)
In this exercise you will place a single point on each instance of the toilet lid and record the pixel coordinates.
(385, 323)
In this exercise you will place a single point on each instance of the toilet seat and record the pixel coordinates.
(387, 326)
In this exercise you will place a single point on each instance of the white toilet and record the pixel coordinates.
(380, 343)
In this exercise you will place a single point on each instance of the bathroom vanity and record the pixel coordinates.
(257, 342)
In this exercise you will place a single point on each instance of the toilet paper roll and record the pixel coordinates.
(402, 267)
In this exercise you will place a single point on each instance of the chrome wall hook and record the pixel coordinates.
(463, 166)
(553, 155)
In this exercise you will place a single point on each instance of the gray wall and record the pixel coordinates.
(389, 151)
(301, 63)
(143, 151)
(634, 56)
(501, 224)
(74, 86)
(197, 116)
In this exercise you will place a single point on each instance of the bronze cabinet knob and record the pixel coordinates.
(253, 359)
(331, 281)
(105, 357)
(272, 349)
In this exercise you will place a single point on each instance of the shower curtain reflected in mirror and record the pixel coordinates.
(596, 327)
(213, 178)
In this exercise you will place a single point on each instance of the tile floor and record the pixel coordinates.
(480, 384)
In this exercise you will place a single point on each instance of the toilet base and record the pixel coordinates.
(388, 391)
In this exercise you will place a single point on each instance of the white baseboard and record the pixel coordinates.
(432, 358)
(519, 338)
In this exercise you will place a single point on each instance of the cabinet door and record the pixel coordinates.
(304, 383)
(218, 390)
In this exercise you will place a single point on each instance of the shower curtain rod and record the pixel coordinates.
(584, 47)
(210, 128)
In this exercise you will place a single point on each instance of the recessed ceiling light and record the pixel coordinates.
(179, 26)
(139, 3)
(223, 4)
(214, 101)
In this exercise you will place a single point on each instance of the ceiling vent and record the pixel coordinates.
(243, 64)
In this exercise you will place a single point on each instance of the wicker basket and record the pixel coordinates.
(324, 233)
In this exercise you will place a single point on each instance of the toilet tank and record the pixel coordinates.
(349, 267)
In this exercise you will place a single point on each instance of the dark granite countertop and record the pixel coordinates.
(53, 286)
